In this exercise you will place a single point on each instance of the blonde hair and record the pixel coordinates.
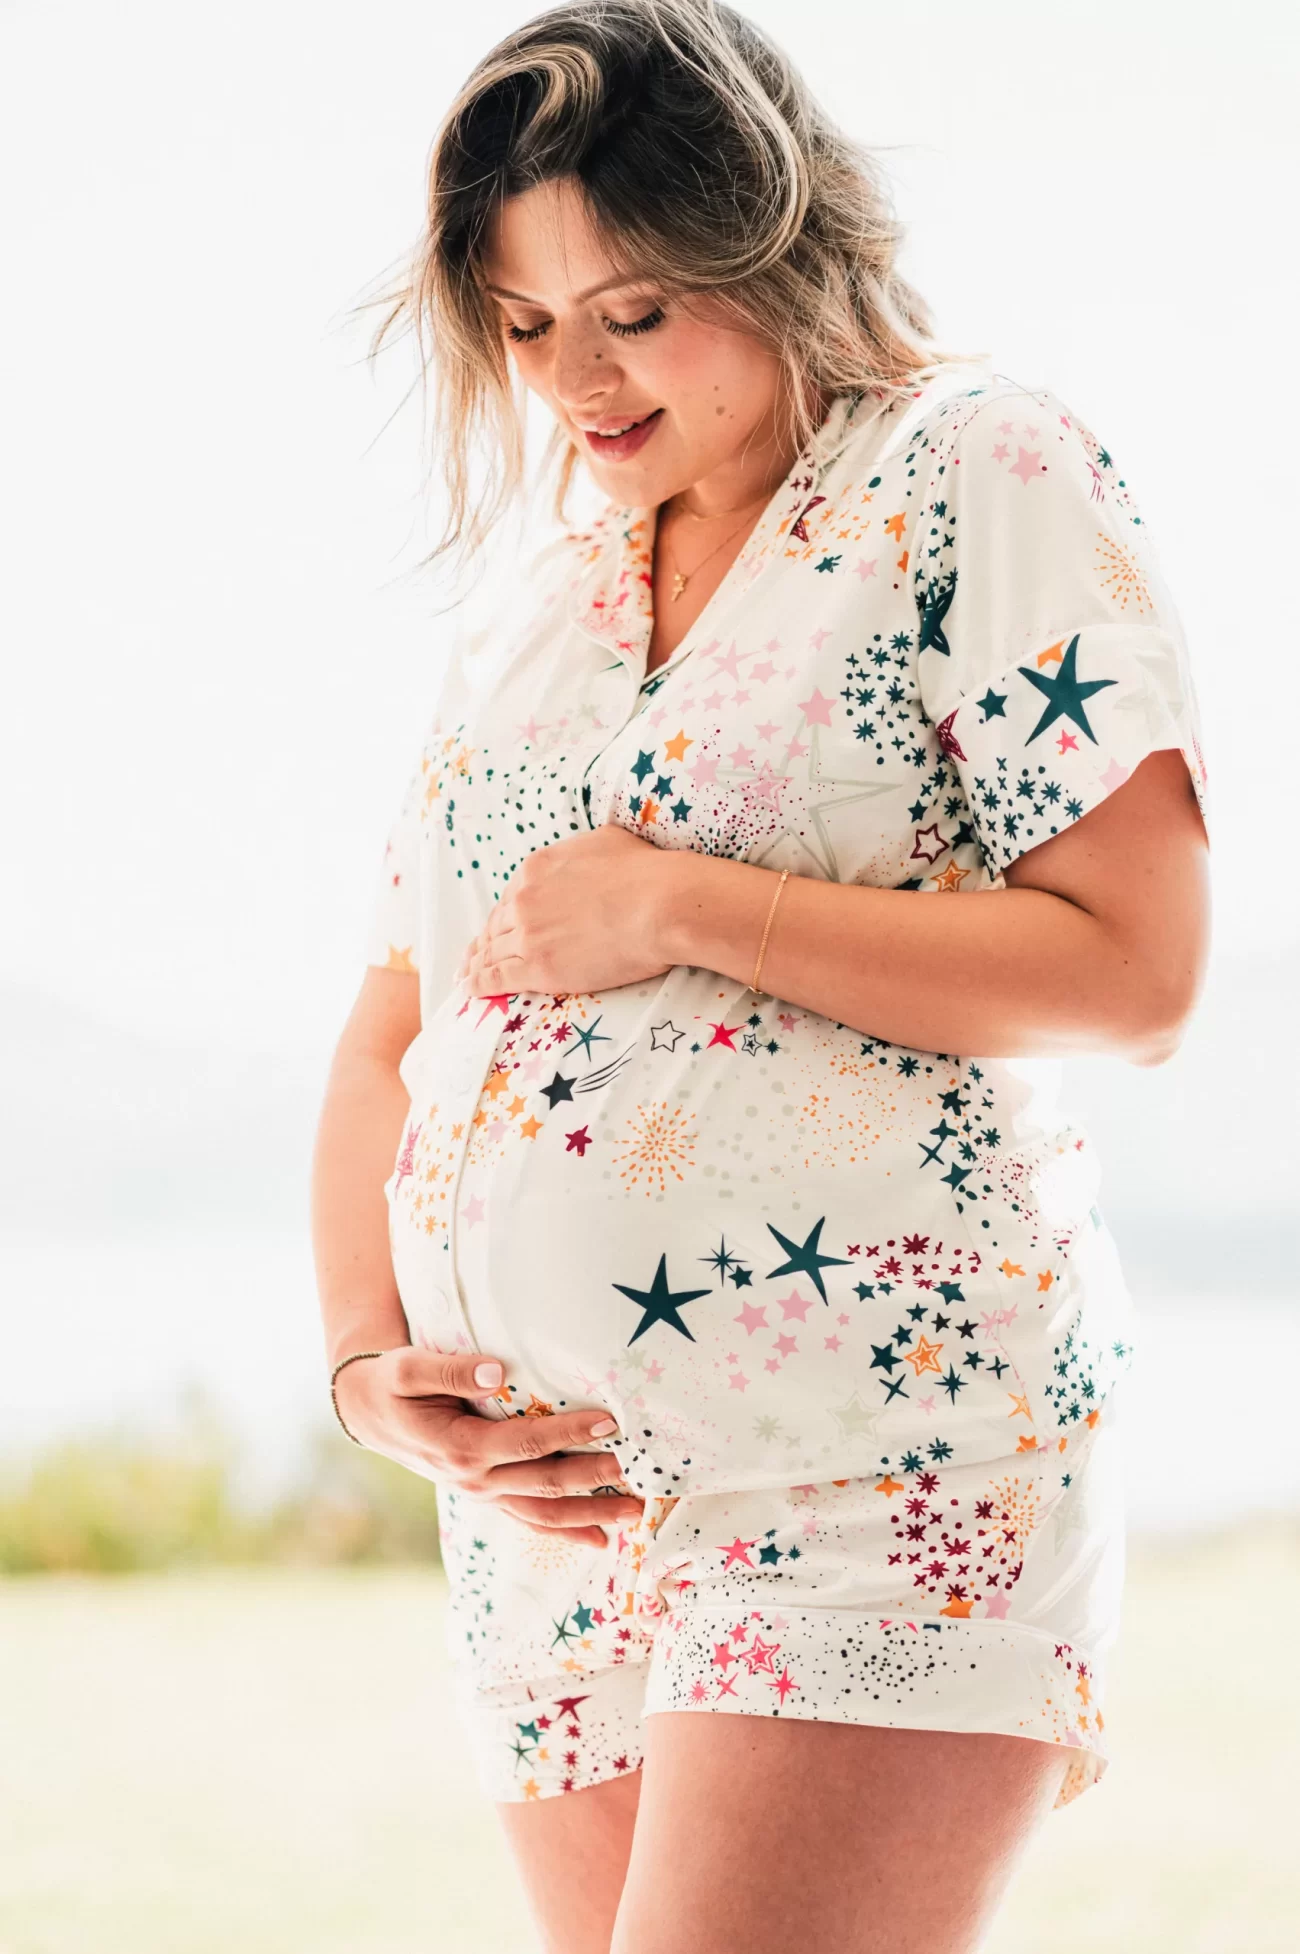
(707, 166)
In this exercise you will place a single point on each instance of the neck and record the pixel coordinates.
(746, 481)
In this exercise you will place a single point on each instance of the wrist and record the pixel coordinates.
(675, 906)
(344, 1369)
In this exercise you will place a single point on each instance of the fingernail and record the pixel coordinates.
(488, 1374)
(605, 1426)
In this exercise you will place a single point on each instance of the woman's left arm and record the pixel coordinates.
(1098, 943)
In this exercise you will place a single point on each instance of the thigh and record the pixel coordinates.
(572, 1853)
(850, 1838)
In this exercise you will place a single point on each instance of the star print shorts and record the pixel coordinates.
(943, 1599)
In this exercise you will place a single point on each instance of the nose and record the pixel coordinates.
(585, 374)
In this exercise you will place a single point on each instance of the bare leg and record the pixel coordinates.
(572, 1853)
(763, 1835)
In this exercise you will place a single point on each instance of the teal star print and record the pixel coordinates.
(1065, 694)
(659, 1304)
(589, 1037)
(993, 704)
(806, 1260)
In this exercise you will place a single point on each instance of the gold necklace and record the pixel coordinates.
(682, 577)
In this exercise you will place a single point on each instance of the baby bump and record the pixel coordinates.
(745, 1344)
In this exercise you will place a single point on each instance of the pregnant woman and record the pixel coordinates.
(692, 1204)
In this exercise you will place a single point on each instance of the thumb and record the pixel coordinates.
(421, 1373)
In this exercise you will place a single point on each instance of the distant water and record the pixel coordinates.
(111, 1328)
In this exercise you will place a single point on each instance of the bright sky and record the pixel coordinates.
(218, 663)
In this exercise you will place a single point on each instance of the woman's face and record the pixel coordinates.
(699, 400)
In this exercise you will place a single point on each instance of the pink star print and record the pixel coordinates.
(1114, 776)
(759, 1655)
(1028, 465)
(786, 1345)
(738, 1381)
(865, 568)
(794, 1305)
(995, 1607)
(753, 1316)
(737, 1551)
(817, 709)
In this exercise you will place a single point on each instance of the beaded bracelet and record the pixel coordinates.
(342, 1365)
(762, 948)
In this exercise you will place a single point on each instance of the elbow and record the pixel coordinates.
(1157, 1026)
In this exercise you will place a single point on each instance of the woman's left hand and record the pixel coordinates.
(581, 915)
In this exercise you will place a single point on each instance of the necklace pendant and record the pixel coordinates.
(679, 585)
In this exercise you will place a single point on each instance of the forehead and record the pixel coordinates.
(542, 243)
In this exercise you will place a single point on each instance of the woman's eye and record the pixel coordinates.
(522, 333)
(621, 330)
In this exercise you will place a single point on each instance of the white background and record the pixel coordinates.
(218, 650)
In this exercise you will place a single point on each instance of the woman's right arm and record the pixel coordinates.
(411, 1403)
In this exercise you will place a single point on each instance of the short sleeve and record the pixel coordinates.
(1052, 659)
(401, 905)
(393, 928)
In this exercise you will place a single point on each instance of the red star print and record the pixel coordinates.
(723, 1035)
(947, 738)
(578, 1142)
(920, 851)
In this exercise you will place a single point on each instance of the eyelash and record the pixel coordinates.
(620, 330)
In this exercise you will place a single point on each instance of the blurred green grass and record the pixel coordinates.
(121, 1501)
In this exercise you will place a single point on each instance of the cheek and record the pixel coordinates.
(717, 381)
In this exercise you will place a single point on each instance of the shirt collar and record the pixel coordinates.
(612, 600)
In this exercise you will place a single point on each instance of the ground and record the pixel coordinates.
(266, 1760)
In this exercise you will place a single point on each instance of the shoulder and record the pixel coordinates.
(1018, 430)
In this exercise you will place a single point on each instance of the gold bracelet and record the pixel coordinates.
(762, 948)
(342, 1365)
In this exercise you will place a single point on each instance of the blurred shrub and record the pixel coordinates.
(119, 1502)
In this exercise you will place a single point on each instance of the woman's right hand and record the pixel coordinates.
(413, 1405)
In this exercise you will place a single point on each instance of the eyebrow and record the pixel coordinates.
(579, 298)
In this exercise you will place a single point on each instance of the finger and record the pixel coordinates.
(505, 1441)
(580, 1536)
(421, 1373)
(553, 1514)
(494, 980)
(557, 1475)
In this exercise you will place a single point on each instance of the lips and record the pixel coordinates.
(619, 447)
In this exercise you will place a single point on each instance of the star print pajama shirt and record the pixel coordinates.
(855, 1307)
